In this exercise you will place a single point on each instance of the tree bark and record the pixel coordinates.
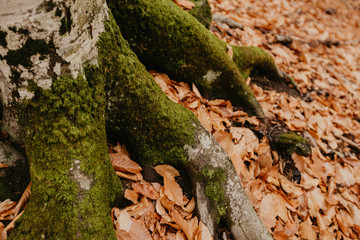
(62, 117)
(162, 132)
(60, 93)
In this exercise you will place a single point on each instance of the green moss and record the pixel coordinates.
(3, 38)
(61, 125)
(170, 40)
(50, 5)
(31, 47)
(293, 142)
(255, 61)
(202, 12)
(65, 25)
(138, 110)
(58, 12)
(215, 177)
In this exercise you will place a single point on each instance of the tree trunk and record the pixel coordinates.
(56, 74)
(62, 119)
(162, 132)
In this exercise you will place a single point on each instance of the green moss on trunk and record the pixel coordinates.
(170, 40)
(202, 12)
(138, 110)
(73, 183)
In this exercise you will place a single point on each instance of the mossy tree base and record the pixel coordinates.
(73, 183)
(159, 131)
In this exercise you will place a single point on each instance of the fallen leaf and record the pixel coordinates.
(189, 227)
(121, 162)
(270, 207)
(171, 188)
(3, 165)
(185, 4)
(230, 51)
(306, 230)
(139, 231)
(131, 195)
(203, 233)
(146, 189)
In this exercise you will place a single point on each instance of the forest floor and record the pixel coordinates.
(315, 197)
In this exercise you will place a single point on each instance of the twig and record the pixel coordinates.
(351, 143)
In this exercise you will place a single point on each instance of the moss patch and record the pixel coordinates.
(62, 125)
(31, 47)
(293, 142)
(215, 178)
(138, 110)
(3, 35)
(202, 12)
(66, 22)
(170, 40)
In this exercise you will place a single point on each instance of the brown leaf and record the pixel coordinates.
(189, 227)
(7, 209)
(203, 233)
(129, 176)
(146, 189)
(270, 207)
(131, 195)
(306, 230)
(185, 4)
(121, 162)
(3, 233)
(3, 165)
(123, 235)
(196, 91)
(139, 231)
(230, 51)
(171, 188)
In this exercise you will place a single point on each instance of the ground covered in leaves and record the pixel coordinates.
(318, 44)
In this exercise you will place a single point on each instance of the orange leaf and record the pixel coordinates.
(7, 208)
(139, 231)
(3, 233)
(121, 162)
(185, 4)
(171, 188)
(129, 176)
(123, 235)
(203, 233)
(145, 189)
(189, 227)
(270, 207)
(306, 230)
(230, 51)
(131, 195)
(3, 165)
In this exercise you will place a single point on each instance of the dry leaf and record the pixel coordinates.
(3, 233)
(230, 51)
(189, 227)
(129, 176)
(270, 207)
(146, 189)
(121, 162)
(139, 231)
(131, 195)
(185, 4)
(203, 233)
(3, 165)
(171, 188)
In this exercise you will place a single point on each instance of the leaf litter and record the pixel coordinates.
(319, 47)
